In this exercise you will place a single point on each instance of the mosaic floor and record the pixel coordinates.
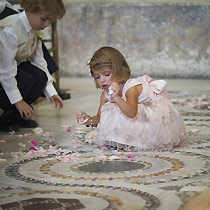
(66, 170)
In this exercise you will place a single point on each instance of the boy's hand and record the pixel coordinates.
(56, 99)
(25, 110)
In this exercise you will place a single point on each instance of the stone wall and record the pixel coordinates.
(162, 40)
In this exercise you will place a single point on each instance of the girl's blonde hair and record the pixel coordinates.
(111, 57)
(54, 8)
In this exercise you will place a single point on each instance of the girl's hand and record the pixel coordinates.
(82, 118)
(115, 88)
(56, 99)
(25, 110)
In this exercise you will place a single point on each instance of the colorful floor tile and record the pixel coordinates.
(72, 172)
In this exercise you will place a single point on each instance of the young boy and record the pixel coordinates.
(7, 9)
(23, 70)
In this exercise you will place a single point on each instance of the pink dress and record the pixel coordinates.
(157, 125)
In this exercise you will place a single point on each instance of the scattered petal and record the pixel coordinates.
(21, 145)
(130, 155)
(37, 130)
(90, 137)
(186, 93)
(27, 134)
(19, 136)
(12, 132)
(47, 134)
(82, 117)
(69, 129)
(113, 157)
(34, 142)
(65, 126)
(194, 130)
(32, 148)
(110, 90)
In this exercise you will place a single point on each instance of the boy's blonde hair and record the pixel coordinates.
(54, 8)
(112, 58)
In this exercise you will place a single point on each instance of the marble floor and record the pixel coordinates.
(58, 166)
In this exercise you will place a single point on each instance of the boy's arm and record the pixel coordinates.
(8, 65)
(40, 62)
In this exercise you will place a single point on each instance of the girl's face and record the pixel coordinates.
(103, 76)
(39, 20)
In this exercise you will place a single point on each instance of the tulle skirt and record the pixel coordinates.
(157, 125)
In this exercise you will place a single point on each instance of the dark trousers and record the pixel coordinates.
(30, 79)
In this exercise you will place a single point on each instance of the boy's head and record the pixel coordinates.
(52, 8)
(112, 58)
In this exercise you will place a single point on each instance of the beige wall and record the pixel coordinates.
(162, 40)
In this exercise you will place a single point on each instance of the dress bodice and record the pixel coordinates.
(150, 87)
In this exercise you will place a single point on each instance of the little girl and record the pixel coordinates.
(133, 112)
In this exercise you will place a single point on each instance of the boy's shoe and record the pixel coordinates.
(6, 122)
(64, 95)
(23, 123)
(61, 93)
(9, 128)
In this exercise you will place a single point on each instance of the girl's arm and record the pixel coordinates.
(94, 120)
(129, 107)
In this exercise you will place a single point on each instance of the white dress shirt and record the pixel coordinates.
(3, 4)
(19, 43)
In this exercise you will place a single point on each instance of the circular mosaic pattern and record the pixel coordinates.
(98, 197)
(115, 166)
(100, 178)
(110, 166)
(153, 168)
(44, 203)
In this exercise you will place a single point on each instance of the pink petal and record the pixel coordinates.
(34, 142)
(130, 156)
(32, 148)
(69, 129)
(186, 93)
